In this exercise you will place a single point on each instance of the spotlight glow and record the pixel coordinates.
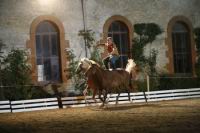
(46, 2)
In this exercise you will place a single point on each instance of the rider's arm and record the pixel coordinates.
(115, 51)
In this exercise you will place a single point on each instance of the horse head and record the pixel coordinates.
(85, 64)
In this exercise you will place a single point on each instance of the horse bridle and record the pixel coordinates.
(88, 67)
(90, 62)
(87, 70)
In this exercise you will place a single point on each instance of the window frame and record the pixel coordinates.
(120, 33)
(104, 34)
(30, 45)
(49, 34)
(179, 52)
(168, 42)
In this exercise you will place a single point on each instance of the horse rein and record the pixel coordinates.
(87, 70)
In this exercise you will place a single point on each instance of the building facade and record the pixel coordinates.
(47, 27)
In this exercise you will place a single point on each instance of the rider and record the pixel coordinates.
(112, 54)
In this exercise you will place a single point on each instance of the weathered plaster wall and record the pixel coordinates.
(144, 11)
(16, 17)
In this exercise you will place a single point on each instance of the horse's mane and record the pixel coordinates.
(89, 61)
(98, 68)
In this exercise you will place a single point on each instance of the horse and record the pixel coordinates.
(105, 80)
(83, 66)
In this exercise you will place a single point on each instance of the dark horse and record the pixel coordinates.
(105, 80)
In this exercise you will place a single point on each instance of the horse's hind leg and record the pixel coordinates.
(94, 94)
(102, 100)
(104, 96)
(117, 98)
(100, 92)
(129, 96)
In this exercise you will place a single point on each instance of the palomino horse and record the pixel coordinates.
(83, 66)
(109, 81)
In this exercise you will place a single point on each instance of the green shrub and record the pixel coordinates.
(15, 73)
(77, 79)
(168, 83)
(146, 34)
(15, 77)
(38, 92)
(149, 31)
(141, 86)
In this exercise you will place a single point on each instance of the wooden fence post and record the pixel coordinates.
(145, 96)
(148, 86)
(58, 95)
(10, 106)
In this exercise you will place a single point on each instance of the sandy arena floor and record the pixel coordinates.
(180, 116)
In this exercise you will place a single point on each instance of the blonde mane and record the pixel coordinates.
(89, 61)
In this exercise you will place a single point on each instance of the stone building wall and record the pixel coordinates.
(16, 17)
(144, 11)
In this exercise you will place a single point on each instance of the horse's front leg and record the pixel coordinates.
(105, 96)
(94, 94)
(85, 91)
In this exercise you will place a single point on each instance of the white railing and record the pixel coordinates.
(173, 94)
(68, 102)
(35, 104)
(5, 107)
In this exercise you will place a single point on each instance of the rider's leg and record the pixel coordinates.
(106, 61)
(113, 60)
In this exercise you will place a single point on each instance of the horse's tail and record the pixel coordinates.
(131, 64)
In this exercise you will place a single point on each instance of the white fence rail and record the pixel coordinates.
(67, 102)
(5, 107)
(32, 105)
(135, 97)
(173, 94)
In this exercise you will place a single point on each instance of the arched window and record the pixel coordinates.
(181, 49)
(120, 34)
(47, 52)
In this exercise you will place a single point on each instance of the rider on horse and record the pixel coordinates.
(113, 54)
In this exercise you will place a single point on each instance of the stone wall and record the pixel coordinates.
(144, 11)
(16, 17)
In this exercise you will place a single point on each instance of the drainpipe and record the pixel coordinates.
(84, 25)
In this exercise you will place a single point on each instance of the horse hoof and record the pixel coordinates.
(101, 106)
(104, 107)
(95, 101)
